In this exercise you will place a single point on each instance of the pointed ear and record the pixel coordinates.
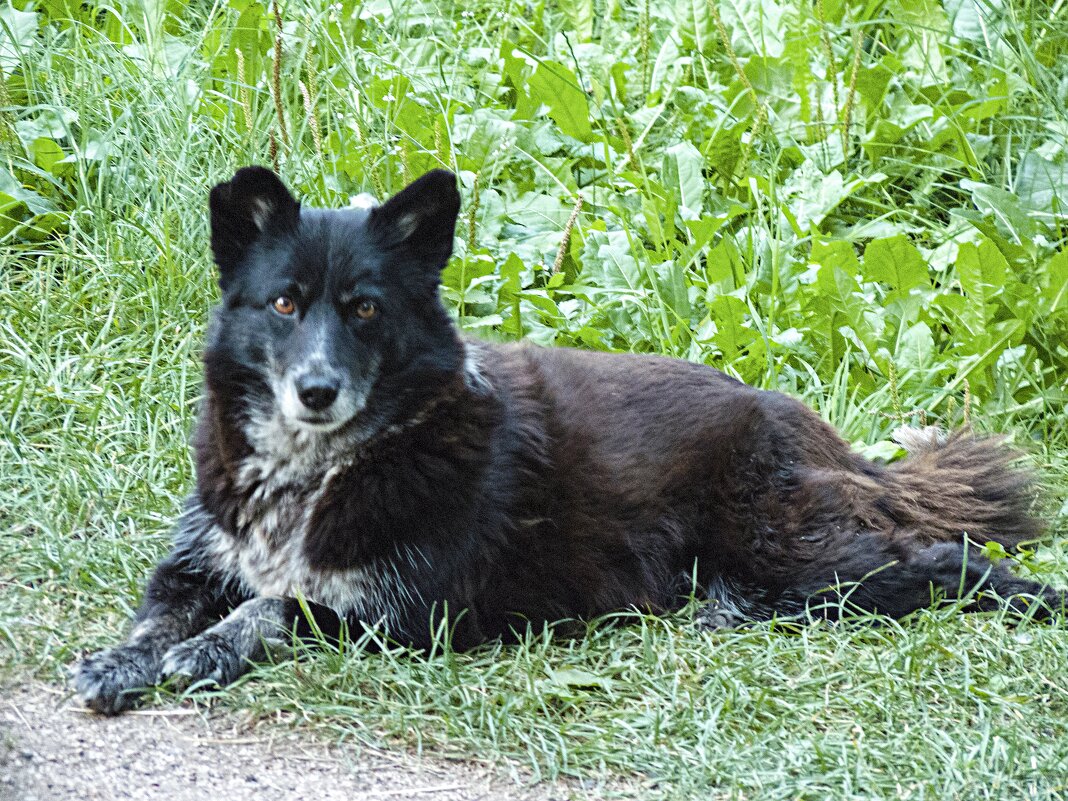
(253, 201)
(420, 220)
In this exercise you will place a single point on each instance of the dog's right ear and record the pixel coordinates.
(253, 201)
(420, 220)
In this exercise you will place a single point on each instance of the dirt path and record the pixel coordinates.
(52, 750)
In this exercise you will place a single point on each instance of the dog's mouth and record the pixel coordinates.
(322, 423)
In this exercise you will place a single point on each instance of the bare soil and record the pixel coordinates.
(52, 749)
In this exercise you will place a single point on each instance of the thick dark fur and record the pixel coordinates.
(386, 471)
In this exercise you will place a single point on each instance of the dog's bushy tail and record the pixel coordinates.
(963, 484)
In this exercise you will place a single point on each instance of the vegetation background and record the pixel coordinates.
(860, 202)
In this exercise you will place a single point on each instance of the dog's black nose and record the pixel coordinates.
(317, 393)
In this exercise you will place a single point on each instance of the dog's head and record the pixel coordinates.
(331, 317)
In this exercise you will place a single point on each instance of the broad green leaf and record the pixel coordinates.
(10, 213)
(608, 261)
(981, 271)
(788, 339)
(46, 153)
(557, 280)
(696, 29)
(732, 335)
(579, 14)
(484, 132)
(536, 211)
(859, 314)
(994, 551)
(18, 35)
(725, 267)
(977, 21)
(1042, 185)
(576, 677)
(831, 255)
(882, 451)
(1014, 252)
(894, 261)
(701, 232)
(873, 80)
(666, 67)
(673, 291)
(252, 41)
(14, 189)
(52, 122)
(487, 321)
(683, 172)
(814, 195)
(1001, 336)
(555, 86)
(508, 304)
(516, 64)
(1055, 292)
(915, 347)
(1003, 206)
(459, 274)
(756, 27)
(923, 14)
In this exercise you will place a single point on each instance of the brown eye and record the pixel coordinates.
(366, 309)
(284, 305)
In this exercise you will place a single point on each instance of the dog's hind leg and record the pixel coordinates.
(896, 588)
(869, 577)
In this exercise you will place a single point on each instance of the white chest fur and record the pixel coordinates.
(269, 559)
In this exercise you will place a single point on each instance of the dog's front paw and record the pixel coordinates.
(713, 617)
(208, 656)
(112, 681)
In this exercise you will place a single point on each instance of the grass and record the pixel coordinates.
(875, 240)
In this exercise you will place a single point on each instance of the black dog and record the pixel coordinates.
(354, 452)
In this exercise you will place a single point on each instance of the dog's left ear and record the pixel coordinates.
(251, 203)
(420, 220)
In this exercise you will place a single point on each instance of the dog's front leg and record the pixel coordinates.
(257, 628)
(178, 603)
(224, 651)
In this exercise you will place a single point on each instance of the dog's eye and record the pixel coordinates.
(366, 309)
(284, 305)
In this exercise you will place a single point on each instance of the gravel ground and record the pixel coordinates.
(51, 749)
